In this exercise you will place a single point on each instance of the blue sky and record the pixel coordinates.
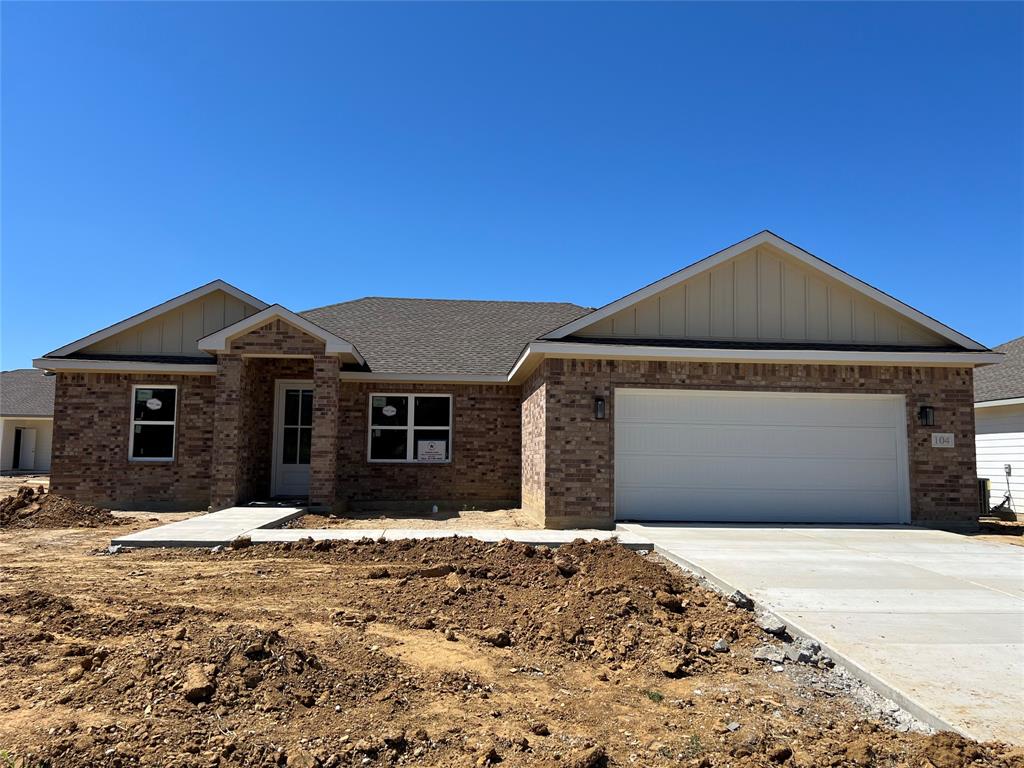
(312, 153)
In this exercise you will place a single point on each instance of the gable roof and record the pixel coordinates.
(442, 336)
(1004, 380)
(769, 238)
(26, 392)
(333, 344)
(159, 309)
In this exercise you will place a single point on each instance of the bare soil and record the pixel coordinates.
(35, 507)
(440, 653)
(1001, 531)
(502, 519)
(10, 483)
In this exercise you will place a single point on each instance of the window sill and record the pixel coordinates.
(134, 460)
(407, 461)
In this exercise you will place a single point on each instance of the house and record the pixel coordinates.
(26, 420)
(758, 384)
(999, 420)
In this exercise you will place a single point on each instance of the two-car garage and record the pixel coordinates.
(772, 457)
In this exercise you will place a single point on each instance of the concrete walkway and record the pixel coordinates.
(260, 525)
(932, 620)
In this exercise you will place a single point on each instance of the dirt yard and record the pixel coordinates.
(443, 653)
(502, 519)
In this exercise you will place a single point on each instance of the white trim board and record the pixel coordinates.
(769, 238)
(219, 341)
(997, 403)
(122, 366)
(159, 309)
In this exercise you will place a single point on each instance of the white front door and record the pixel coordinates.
(768, 457)
(26, 448)
(293, 433)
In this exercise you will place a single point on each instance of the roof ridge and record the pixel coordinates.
(467, 301)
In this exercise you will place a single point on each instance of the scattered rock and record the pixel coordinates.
(540, 729)
(733, 727)
(588, 758)
(565, 565)
(435, 571)
(300, 758)
(671, 668)
(496, 637)
(240, 542)
(669, 602)
(378, 573)
(798, 654)
(740, 600)
(771, 625)
(770, 654)
(454, 583)
(780, 754)
(198, 684)
(722, 646)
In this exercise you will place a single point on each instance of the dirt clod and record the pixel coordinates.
(37, 508)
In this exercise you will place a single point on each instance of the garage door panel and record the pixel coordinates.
(759, 457)
(764, 473)
(746, 506)
(706, 439)
(665, 406)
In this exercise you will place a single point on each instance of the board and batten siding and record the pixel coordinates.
(763, 295)
(999, 440)
(177, 331)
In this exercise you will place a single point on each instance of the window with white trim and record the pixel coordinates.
(154, 411)
(410, 428)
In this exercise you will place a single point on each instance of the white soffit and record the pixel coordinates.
(770, 238)
(333, 345)
(159, 309)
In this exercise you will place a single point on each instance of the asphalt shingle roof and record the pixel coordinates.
(1004, 380)
(26, 392)
(441, 335)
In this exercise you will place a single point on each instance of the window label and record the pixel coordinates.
(431, 450)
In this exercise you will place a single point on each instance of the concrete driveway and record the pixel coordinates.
(933, 620)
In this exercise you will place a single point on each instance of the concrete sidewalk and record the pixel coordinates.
(260, 525)
(932, 620)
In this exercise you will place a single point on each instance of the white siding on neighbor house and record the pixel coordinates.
(764, 295)
(999, 441)
(176, 332)
(44, 441)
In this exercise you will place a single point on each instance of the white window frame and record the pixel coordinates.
(132, 424)
(409, 428)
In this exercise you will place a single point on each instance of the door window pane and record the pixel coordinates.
(290, 446)
(291, 407)
(154, 404)
(433, 412)
(306, 416)
(305, 440)
(431, 444)
(388, 444)
(153, 441)
(389, 411)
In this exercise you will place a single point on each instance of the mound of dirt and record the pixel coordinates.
(449, 652)
(37, 508)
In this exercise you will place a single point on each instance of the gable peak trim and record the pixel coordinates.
(766, 237)
(159, 309)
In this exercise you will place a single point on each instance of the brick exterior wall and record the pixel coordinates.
(276, 338)
(91, 427)
(324, 442)
(532, 446)
(579, 451)
(485, 450)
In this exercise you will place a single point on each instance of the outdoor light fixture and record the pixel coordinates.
(926, 416)
(599, 412)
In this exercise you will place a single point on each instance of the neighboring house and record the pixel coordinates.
(26, 420)
(999, 420)
(759, 384)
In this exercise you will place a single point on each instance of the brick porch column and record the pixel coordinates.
(227, 437)
(323, 470)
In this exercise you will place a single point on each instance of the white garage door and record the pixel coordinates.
(760, 457)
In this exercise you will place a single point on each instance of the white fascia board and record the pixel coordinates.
(159, 309)
(121, 366)
(770, 238)
(16, 417)
(585, 351)
(997, 403)
(219, 341)
(445, 378)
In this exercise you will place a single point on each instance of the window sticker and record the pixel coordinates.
(153, 404)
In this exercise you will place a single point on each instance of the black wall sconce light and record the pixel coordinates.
(599, 408)
(926, 416)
